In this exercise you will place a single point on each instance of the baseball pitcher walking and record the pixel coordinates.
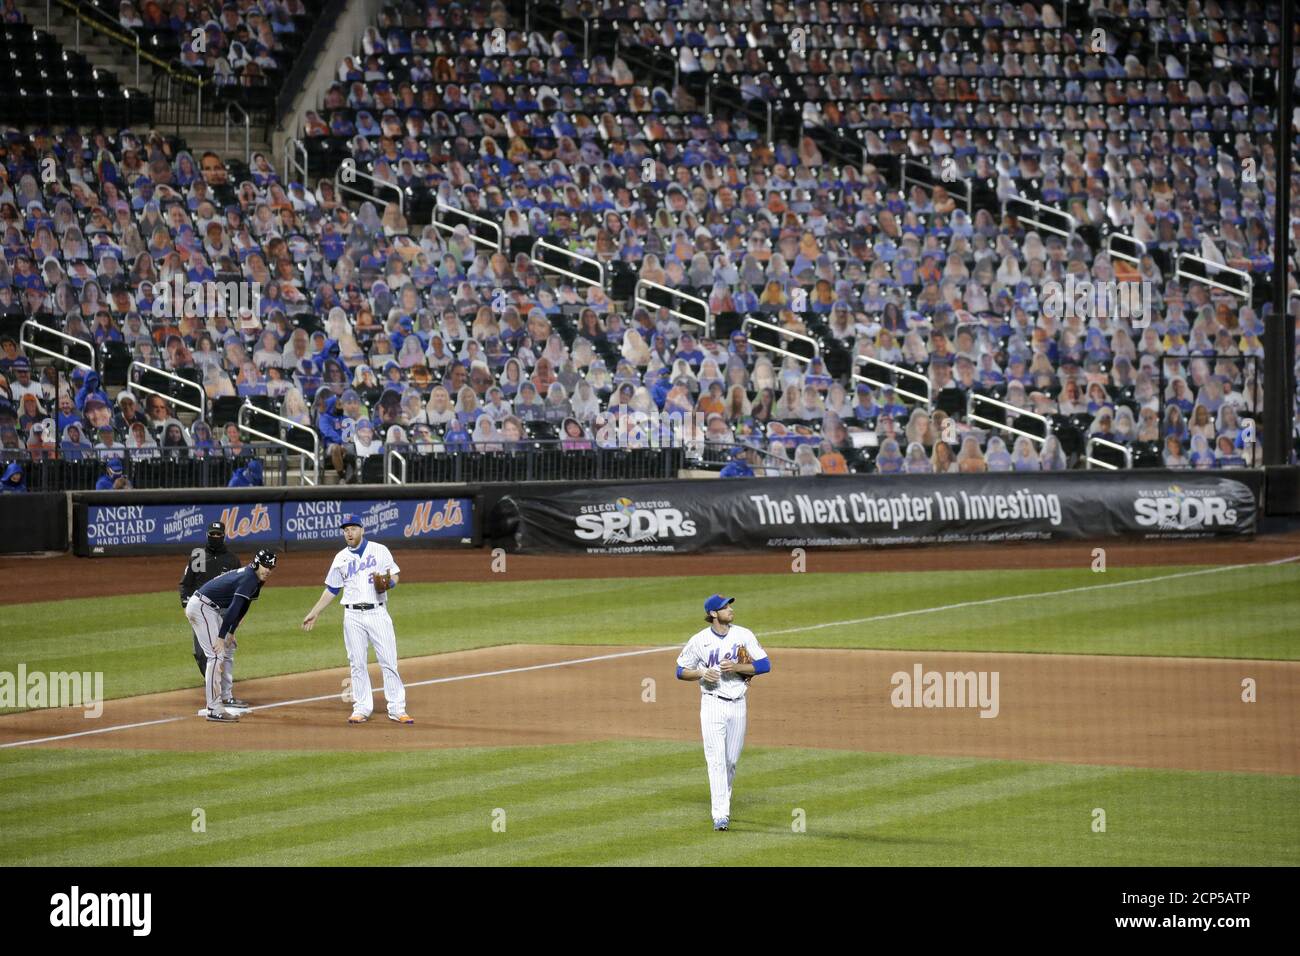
(204, 565)
(365, 572)
(214, 611)
(723, 657)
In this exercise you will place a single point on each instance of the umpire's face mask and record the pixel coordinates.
(216, 543)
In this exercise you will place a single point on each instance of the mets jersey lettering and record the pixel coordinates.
(707, 649)
(351, 570)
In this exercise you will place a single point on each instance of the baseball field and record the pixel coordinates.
(1144, 714)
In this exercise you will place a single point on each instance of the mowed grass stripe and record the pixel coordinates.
(351, 815)
(153, 799)
(142, 643)
(253, 793)
(611, 812)
(765, 811)
(1155, 818)
(465, 814)
(852, 776)
(646, 803)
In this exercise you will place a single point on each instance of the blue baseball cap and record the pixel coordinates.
(350, 518)
(717, 602)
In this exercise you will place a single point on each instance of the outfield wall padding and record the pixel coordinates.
(33, 522)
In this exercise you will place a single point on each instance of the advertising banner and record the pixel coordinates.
(880, 511)
(123, 529)
(402, 519)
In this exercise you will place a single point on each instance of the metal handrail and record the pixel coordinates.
(904, 179)
(199, 409)
(927, 398)
(391, 477)
(1039, 207)
(27, 343)
(292, 146)
(1210, 264)
(248, 132)
(639, 299)
(83, 11)
(1115, 253)
(1090, 461)
(532, 257)
(343, 187)
(971, 416)
(751, 320)
(499, 245)
(314, 454)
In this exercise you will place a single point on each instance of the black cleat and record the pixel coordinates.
(236, 702)
(222, 717)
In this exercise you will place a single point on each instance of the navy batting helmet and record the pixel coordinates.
(265, 558)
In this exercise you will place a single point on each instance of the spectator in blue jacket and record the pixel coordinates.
(738, 467)
(90, 388)
(250, 476)
(13, 479)
(112, 474)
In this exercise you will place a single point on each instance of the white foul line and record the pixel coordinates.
(312, 700)
(1023, 597)
(673, 647)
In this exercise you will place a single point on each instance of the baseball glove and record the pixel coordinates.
(742, 657)
(382, 582)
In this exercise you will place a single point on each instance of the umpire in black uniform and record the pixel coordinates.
(205, 564)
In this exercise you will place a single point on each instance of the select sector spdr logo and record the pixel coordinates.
(633, 522)
(1183, 509)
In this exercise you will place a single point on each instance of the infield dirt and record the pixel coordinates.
(1179, 713)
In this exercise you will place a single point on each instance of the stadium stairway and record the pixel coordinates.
(102, 52)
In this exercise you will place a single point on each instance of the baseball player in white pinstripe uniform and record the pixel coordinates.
(365, 572)
(723, 657)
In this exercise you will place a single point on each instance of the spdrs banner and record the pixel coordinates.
(880, 511)
(122, 528)
(403, 519)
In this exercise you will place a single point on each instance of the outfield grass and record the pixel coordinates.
(141, 642)
(627, 803)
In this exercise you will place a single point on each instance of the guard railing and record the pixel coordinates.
(640, 300)
(1095, 442)
(200, 409)
(68, 340)
(788, 333)
(1064, 224)
(574, 256)
(1213, 268)
(248, 410)
(441, 226)
(351, 170)
(897, 370)
(904, 179)
(973, 417)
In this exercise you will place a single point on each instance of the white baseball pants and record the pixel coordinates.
(218, 679)
(723, 725)
(361, 631)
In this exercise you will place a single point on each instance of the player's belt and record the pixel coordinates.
(729, 700)
(361, 607)
(208, 601)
